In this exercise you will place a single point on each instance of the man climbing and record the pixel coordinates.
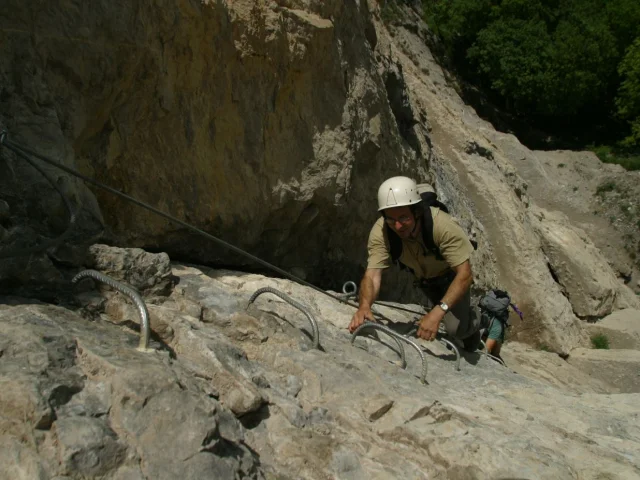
(427, 241)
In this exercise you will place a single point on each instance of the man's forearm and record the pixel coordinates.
(458, 288)
(368, 291)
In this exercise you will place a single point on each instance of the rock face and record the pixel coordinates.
(269, 124)
(262, 122)
(242, 393)
(551, 369)
(94, 407)
(147, 273)
(616, 367)
(486, 176)
(586, 279)
(622, 329)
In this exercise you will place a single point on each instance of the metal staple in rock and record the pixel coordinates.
(484, 347)
(403, 356)
(488, 355)
(497, 359)
(291, 301)
(346, 293)
(350, 289)
(395, 338)
(454, 348)
(129, 292)
(353, 291)
(444, 342)
(391, 333)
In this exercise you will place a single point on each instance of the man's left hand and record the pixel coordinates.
(428, 328)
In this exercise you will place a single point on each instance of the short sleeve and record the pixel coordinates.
(452, 241)
(378, 247)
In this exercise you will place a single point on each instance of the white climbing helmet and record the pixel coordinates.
(397, 192)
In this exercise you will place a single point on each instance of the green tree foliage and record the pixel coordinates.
(457, 23)
(512, 55)
(628, 100)
(545, 59)
(624, 18)
(548, 59)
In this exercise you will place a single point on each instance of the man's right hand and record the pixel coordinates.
(361, 316)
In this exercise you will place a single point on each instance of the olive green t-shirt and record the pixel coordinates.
(452, 241)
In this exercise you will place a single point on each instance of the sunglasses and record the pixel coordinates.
(404, 219)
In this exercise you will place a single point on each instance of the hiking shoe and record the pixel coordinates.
(472, 342)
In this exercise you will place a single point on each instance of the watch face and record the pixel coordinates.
(444, 306)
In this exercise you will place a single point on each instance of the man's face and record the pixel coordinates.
(401, 220)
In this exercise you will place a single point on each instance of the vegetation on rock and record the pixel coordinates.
(600, 342)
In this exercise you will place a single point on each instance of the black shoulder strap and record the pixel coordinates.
(395, 249)
(395, 244)
(427, 230)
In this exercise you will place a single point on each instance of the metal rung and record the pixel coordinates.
(127, 291)
(388, 331)
(291, 301)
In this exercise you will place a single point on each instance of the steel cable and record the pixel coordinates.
(6, 253)
(353, 292)
(13, 146)
(22, 150)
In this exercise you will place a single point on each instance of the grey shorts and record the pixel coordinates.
(496, 331)
(461, 321)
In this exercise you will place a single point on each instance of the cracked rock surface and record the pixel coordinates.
(240, 393)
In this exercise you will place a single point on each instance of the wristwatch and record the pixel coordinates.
(444, 306)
